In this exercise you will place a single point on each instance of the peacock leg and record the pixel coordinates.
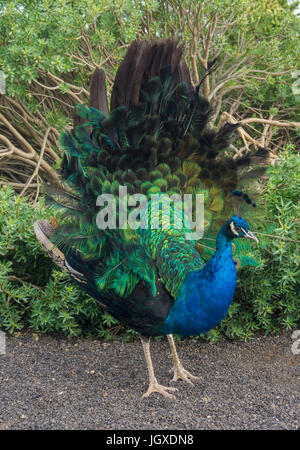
(154, 386)
(178, 369)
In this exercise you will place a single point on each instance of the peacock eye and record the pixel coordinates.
(237, 228)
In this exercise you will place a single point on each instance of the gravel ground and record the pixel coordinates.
(50, 382)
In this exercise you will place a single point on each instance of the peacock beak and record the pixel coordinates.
(250, 235)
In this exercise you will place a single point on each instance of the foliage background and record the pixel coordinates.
(35, 294)
(48, 51)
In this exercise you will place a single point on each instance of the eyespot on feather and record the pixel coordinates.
(237, 264)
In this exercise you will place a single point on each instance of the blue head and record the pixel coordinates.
(237, 227)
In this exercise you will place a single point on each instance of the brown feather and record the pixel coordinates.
(76, 122)
(98, 95)
(143, 61)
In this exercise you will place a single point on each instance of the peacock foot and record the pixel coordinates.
(181, 374)
(163, 390)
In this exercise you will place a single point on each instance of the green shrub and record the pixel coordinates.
(268, 296)
(36, 295)
(33, 292)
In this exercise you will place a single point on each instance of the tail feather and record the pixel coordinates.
(43, 231)
(145, 60)
(98, 95)
(156, 139)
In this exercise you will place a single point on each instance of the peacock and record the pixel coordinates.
(156, 141)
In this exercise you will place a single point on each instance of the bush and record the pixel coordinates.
(36, 295)
(33, 292)
(268, 296)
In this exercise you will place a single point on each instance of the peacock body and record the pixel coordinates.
(155, 141)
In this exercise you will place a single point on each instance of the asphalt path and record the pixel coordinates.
(51, 382)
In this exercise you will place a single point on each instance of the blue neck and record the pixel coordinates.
(205, 294)
(223, 253)
(222, 239)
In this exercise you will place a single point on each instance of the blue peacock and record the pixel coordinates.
(155, 139)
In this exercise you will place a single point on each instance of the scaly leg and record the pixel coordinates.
(178, 369)
(153, 384)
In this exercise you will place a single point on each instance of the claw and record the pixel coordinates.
(181, 374)
(156, 387)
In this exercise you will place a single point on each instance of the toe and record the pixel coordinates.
(181, 374)
(163, 390)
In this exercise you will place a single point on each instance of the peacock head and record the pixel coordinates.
(238, 228)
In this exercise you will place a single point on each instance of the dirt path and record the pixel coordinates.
(56, 383)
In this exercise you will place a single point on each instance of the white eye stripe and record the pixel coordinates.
(233, 229)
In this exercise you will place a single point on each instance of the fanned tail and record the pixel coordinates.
(155, 139)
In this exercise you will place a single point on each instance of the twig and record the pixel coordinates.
(36, 170)
(275, 236)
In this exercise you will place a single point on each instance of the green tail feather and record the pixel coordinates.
(154, 140)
